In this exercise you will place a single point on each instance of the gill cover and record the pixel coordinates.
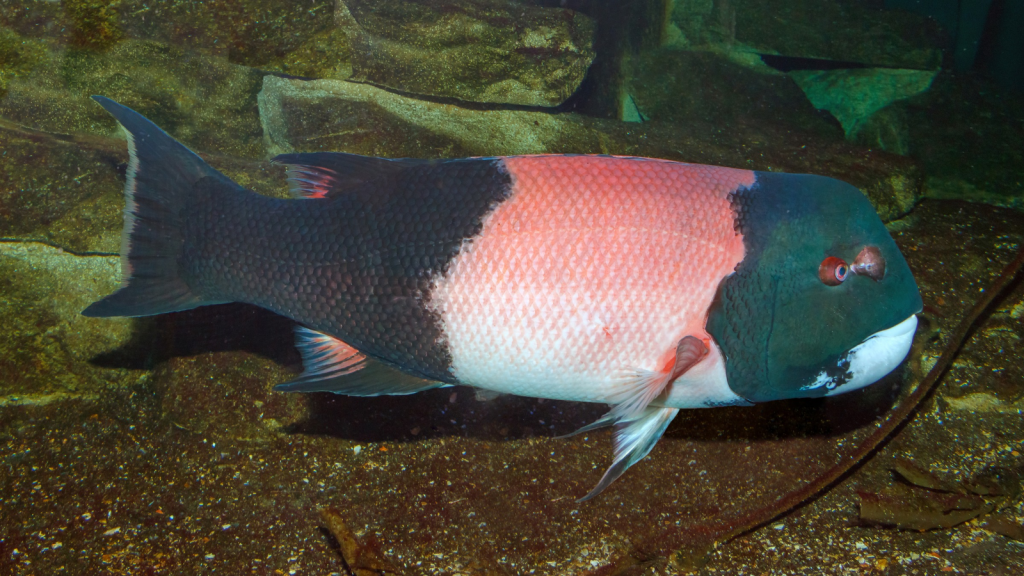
(778, 324)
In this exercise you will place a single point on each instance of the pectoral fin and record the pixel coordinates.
(638, 425)
(642, 387)
(633, 441)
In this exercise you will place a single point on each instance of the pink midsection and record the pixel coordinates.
(594, 267)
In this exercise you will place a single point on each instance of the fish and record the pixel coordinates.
(648, 285)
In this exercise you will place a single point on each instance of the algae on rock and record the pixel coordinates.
(706, 88)
(838, 30)
(95, 24)
(854, 95)
(59, 192)
(472, 50)
(248, 32)
(18, 57)
(325, 55)
(695, 23)
(42, 291)
(203, 100)
(334, 115)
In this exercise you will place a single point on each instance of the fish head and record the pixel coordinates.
(823, 301)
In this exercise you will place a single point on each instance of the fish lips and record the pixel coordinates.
(868, 362)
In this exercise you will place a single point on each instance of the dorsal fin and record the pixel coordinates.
(322, 174)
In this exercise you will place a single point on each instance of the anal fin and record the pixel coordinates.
(330, 365)
(638, 425)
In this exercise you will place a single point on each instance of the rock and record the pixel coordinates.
(968, 136)
(693, 23)
(473, 50)
(331, 115)
(955, 188)
(854, 95)
(18, 57)
(258, 33)
(981, 402)
(66, 188)
(204, 101)
(255, 33)
(886, 130)
(46, 346)
(59, 191)
(325, 55)
(687, 87)
(637, 27)
(50, 352)
(836, 30)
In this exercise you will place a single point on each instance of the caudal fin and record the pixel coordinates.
(162, 177)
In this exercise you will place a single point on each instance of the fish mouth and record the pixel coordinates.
(869, 361)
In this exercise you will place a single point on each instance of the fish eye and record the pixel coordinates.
(833, 271)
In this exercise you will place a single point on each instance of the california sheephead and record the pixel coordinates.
(648, 285)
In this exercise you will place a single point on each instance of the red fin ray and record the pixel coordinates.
(330, 365)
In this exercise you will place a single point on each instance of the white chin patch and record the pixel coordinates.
(870, 360)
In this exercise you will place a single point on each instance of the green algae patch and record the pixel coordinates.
(46, 346)
(472, 50)
(19, 56)
(203, 100)
(95, 24)
(60, 191)
(247, 32)
(325, 55)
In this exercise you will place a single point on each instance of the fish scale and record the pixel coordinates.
(358, 267)
(566, 287)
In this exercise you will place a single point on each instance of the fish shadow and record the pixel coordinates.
(459, 411)
(218, 328)
(798, 418)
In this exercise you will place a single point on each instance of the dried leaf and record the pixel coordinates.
(922, 510)
(361, 558)
(996, 482)
(918, 476)
(1005, 526)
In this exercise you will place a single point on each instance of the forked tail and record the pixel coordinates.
(161, 182)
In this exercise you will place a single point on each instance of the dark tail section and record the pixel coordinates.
(162, 177)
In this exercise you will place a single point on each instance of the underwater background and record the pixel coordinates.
(156, 446)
